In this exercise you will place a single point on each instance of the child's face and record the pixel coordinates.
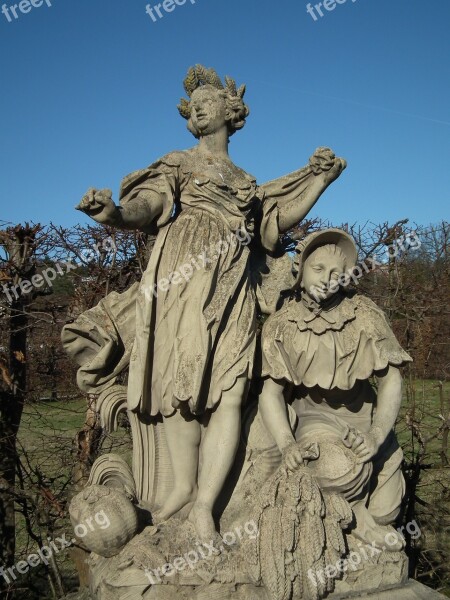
(321, 272)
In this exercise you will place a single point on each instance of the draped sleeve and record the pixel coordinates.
(269, 228)
(276, 193)
(164, 178)
(101, 339)
(386, 348)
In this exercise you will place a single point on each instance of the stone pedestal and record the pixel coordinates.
(412, 590)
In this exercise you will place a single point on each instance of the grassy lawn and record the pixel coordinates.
(425, 402)
(47, 451)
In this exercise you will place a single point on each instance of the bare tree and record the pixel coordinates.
(18, 265)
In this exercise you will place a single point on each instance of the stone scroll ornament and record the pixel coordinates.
(186, 336)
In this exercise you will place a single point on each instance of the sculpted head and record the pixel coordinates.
(321, 271)
(322, 263)
(212, 105)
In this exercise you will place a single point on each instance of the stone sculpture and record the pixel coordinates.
(328, 344)
(306, 467)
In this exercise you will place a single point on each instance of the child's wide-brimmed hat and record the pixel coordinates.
(339, 237)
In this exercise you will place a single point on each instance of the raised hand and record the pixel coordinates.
(326, 165)
(99, 205)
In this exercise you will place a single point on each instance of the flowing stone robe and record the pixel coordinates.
(186, 342)
(196, 335)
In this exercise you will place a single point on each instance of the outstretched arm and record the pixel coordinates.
(295, 194)
(138, 213)
(324, 168)
(294, 211)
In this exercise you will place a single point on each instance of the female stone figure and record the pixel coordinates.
(194, 346)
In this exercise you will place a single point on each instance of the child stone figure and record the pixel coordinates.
(319, 352)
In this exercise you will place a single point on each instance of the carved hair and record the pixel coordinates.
(199, 76)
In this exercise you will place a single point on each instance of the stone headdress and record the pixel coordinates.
(199, 76)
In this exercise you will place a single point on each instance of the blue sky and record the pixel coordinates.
(90, 88)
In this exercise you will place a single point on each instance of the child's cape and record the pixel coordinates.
(305, 344)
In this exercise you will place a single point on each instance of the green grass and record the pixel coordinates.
(44, 421)
(426, 405)
(47, 452)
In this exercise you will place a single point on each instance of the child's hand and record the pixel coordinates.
(295, 456)
(364, 445)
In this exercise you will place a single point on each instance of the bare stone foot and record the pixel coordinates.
(202, 519)
(174, 503)
(384, 537)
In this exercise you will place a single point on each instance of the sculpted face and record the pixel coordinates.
(208, 110)
(321, 272)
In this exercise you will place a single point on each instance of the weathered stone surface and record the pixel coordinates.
(320, 480)
(81, 595)
(412, 590)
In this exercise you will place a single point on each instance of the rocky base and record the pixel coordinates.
(137, 571)
(380, 571)
(132, 574)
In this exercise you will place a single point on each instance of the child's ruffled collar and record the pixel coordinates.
(321, 317)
